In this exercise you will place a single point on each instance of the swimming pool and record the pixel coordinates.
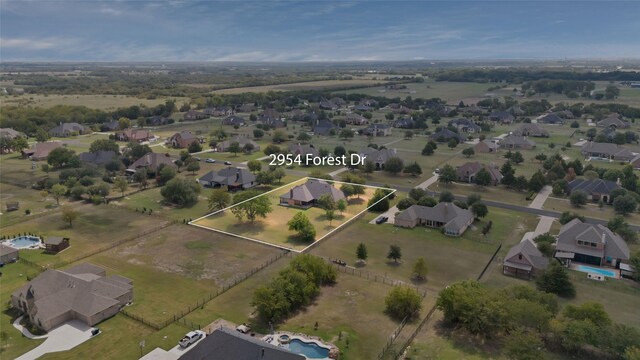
(24, 242)
(309, 350)
(605, 272)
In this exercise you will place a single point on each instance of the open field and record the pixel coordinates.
(493, 193)
(274, 228)
(101, 102)
(590, 210)
(309, 85)
(93, 229)
(449, 258)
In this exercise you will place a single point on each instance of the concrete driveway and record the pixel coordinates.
(541, 198)
(544, 225)
(391, 214)
(64, 337)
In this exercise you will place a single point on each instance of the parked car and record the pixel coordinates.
(243, 328)
(211, 161)
(190, 338)
(381, 219)
(197, 158)
(227, 162)
(436, 171)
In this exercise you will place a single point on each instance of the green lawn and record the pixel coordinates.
(494, 193)
(590, 210)
(102, 102)
(274, 229)
(449, 258)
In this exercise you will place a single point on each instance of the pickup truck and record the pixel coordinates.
(190, 338)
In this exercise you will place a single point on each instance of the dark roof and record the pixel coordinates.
(448, 213)
(501, 116)
(100, 157)
(613, 150)
(529, 250)
(530, 130)
(551, 118)
(575, 230)
(323, 127)
(229, 176)
(54, 240)
(598, 186)
(5, 250)
(313, 190)
(463, 122)
(446, 134)
(228, 344)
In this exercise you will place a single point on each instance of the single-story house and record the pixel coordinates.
(517, 142)
(551, 119)
(503, 117)
(356, 119)
(134, 135)
(8, 254)
(234, 120)
(192, 115)
(272, 122)
(324, 127)
(225, 343)
(377, 156)
(452, 219)
(219, 111)
(151, 162)
(233, 178)
(182, 139)
(606, 151)
(467, 172)
(598, 189)
(531, 130)
(302, 150)
(524, 260)
(307, 194)
(591, 244)
(97, 158)
(40, 151)
(614, 121)
(362, 107)
(67, 129)
(635, 162)
(112, 125)
(465, 125)
(377, 130)
(444, 135)
(486, 146)
(82, 292)
(10, 133)
(404, 123)
(55, 244)
(241, 140)
(247, 108)
(328, 105)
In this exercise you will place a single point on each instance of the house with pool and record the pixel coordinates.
(591, 244)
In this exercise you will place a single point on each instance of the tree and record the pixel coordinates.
(483, 178)
(42, 135)
(468, 152)
(258, 134)
(181, 192)
(403, 302)
(218, 199)
(248, 148)
(625, 204)
(472, 199)
(57, 191)
(136, 151)
(69, 215)
(447, 174)
(524, 345)
(508, 174)
(427, 201)
(341, 206)
(77, 191)
(394, 253)
(541, 157)
(346, 134)
(452, 143)
(193, 166)
(369, 167)
(408, 134)
(427, 150)
(278, 136)
(258, 206)
(347, 190)
(517, 157)
(567, 216)
(537, 181)
(104, 145)
(578, 198)
(194, 147)
(121, 184)
(393, 165)
(417, 193)
(479, 210)
(405, 203)
(555, 279)
(301, 224)
(234, 148)
(327, 203)
(635, 262)
(265, 177)
(420, 269)
(278, 174)
(60, 157)
(165, 174)
(446, 196)
(361, 252)
(611, 92)
(414, 169)
(254, 165)
(575, 125)
(618, 225)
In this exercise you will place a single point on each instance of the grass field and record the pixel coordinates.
(590, 210)
(449, 258)
(274, 229)
(101, 102)
(309, 85)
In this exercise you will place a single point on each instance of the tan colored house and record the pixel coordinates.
(134, 135)
(524, 260)
(307, 194)
(40, 151)
(151, 162)
(452, 219)
(82, 292)
(486, 146)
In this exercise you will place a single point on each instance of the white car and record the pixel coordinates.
(191, 337)
(209, 160)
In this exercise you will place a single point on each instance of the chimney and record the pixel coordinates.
(618, 182)
(603, 237)
(237, 174)
(291, 193)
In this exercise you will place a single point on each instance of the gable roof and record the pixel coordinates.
(446, 134)
(598, 186)
(551, 118)
(302, 149)
(530, 252)
(463, 122)
(377, 155)
(67, 127)
(225, 343)
(613, 120)
(448, 213)
(230, 176)
(152, 161)
(42, 150)
(530, 130)
(99, 157)
(323, 127)
(614, 245)
(516, 140)
(609, 149)
(312, 190)
(10, 133)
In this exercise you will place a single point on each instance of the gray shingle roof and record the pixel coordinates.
(448, 213)
(516, 141)
(614, 245)
(313, 190)
(100, 157)
(608, 149)
(530, 130)
(528, 250)
(597, 186)
(229, 176)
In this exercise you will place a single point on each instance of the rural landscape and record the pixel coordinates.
(293, 209)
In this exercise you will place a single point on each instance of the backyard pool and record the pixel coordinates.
(605, 272)
(309, 350)
(24, 242)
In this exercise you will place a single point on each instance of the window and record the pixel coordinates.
(519, 256)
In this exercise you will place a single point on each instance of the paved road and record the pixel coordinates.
(520, 208)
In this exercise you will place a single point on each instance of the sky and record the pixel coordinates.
(316, 31)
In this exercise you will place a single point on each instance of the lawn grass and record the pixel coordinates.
(274, 229)
(494, 193)
(449, 258)
(94, 229)
(308, 85)
(589, 210)
(101, 102)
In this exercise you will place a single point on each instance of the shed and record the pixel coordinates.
(55, 244)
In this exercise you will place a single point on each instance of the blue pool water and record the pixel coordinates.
(310, 350)
(23, 242)
(593, 270)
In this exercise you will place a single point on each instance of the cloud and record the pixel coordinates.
(111, 11)
(35, 44)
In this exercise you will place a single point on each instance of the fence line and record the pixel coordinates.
(489, 262)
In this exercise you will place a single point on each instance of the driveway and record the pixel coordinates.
(544, 225)
(540, 198)
(430, 181)
(64, 337)
(391, 214)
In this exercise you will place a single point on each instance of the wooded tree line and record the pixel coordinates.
(517, 76)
